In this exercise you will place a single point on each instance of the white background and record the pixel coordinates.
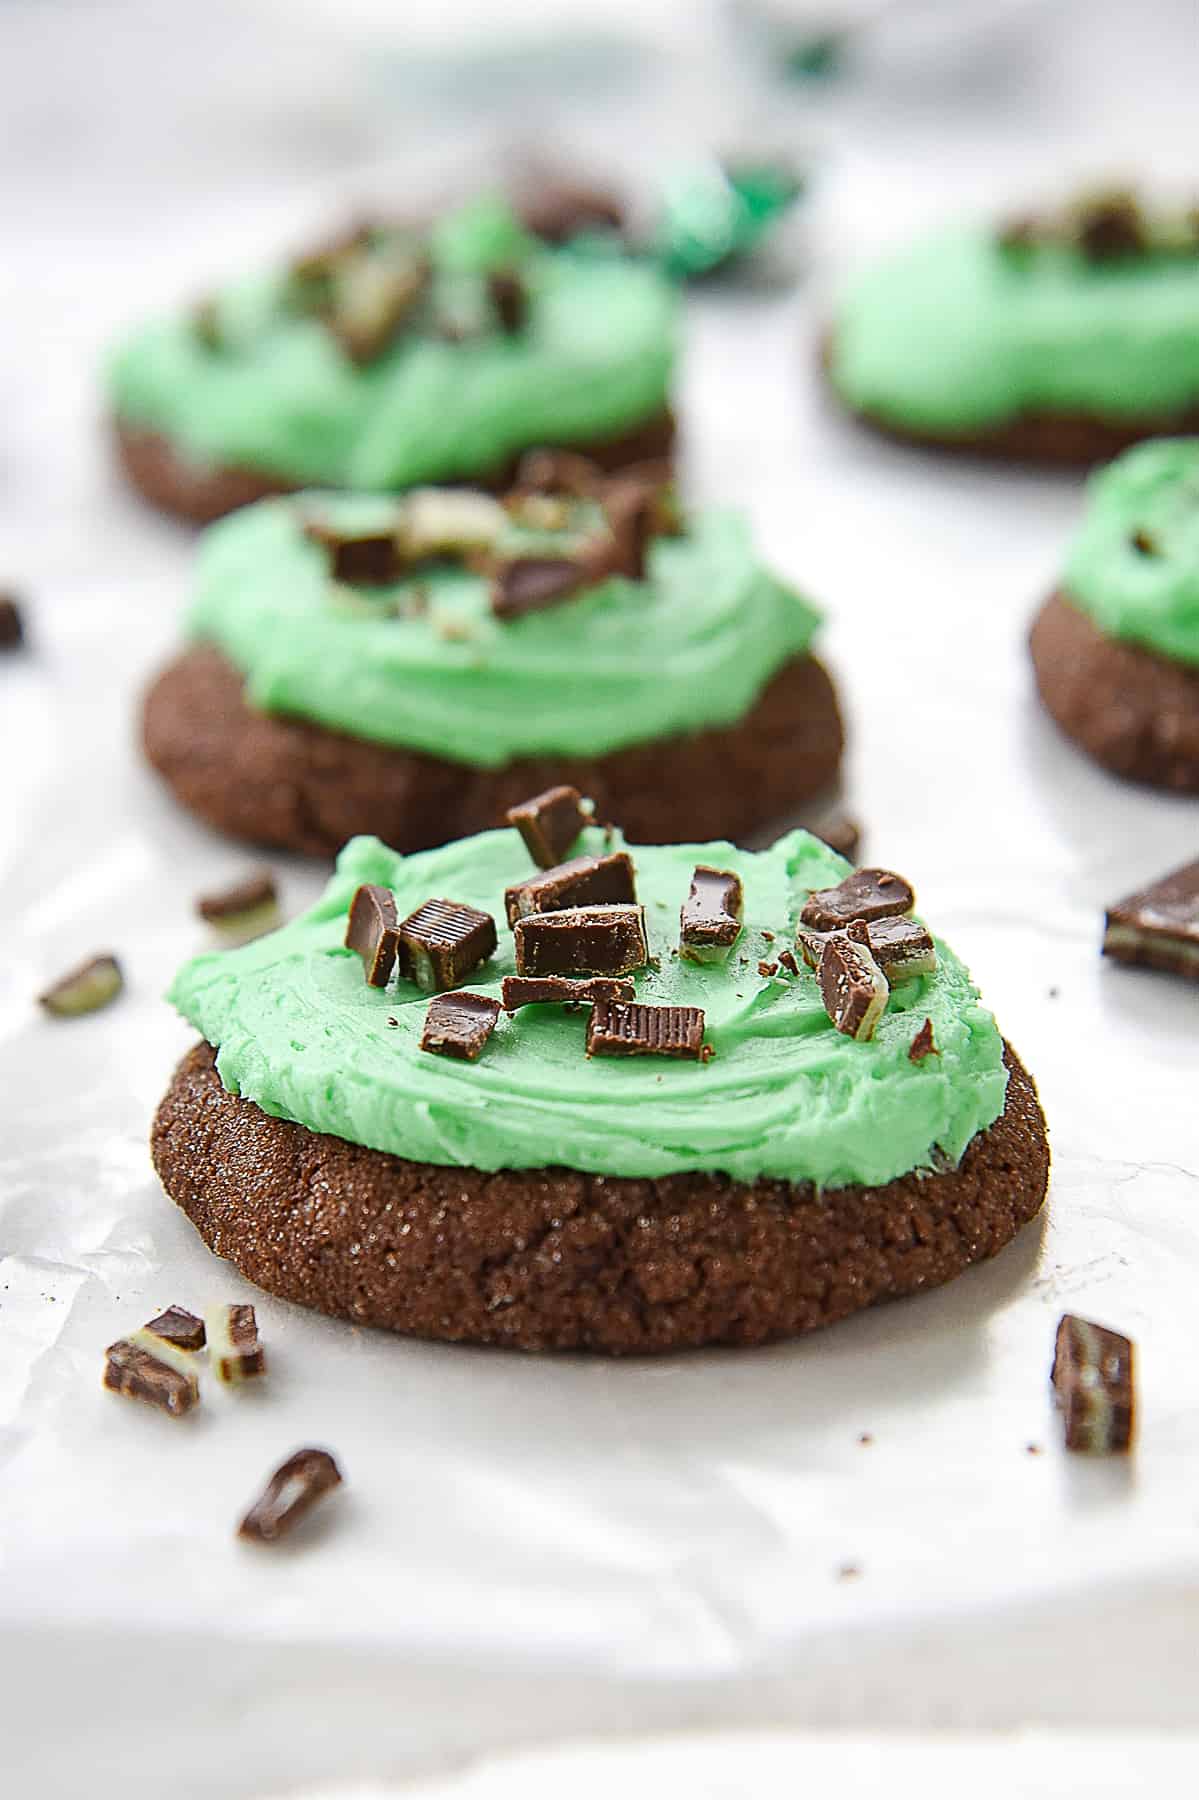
(532, 1549)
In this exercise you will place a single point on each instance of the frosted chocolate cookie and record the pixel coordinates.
(393, 356)
(1058, 337)
(631, 1124)
(414, 666)
(1116, 647)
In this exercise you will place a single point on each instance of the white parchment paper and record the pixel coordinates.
(529, 1548)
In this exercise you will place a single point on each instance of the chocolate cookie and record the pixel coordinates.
(555, 1259)
(288, 783)
(200, 494)
(1134, 711)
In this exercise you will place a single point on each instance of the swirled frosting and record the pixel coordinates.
(1134, 563)
(300, 1033)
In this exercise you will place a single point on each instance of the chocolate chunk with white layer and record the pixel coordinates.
(582, 940)
(618, 1029)
(710, 917)
(865, 895)
(156, 1373)
(367, 558)
(443, 942)
(1094, 1386)
(459, 1025)
(542, 990)
(549, 823)
(528, 584)
(902, 947)
(376, 292)
(234, 1352)
(584, 881)
(852, 986)
(453, 522)
(1158, 926)
(292, 1492)
(12, 624)
(244, 911)
(179, 1327)
(509, 300)
(94, 984)
(372, 929)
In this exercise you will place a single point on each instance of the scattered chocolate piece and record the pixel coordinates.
(1158, 926)
(842, 834)
(556, 209)
(244, 911)
(359, 558)
(376, 294)
(1110, 225)
(234, 1352)
(372, 929)
(582, 940)
(1021, 232)
(923, 1044)
(527, 584)
(710, 916)
(866, 894)
(788, 962)
(618, 1028)
(902, 948)
(292, 1492)
(565, 474)
(507, 293)
(1094, 1387)
(160, 1375)
(12, 623)
(205, 321)
(630, 510)
(459, 1025)
(448, 521)
(768, 968)
(324, 258)
(179, 1327)
(584, 881)
(443, 942)
(549, 823)
(1141, 540)
(529, 990)
(93, 984)
(852, 986)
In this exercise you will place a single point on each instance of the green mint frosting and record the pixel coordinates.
(1134, 564)
(785, 1095)
(593, 360)
(954, 334)
(622, 663)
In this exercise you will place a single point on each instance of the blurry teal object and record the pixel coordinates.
(716, 213)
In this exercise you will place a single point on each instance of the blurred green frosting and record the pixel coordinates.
(1134, 563)
(956, 334)
(785, 1095)
(621, 663)
(593, 359)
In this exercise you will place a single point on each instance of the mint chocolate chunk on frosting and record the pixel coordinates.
(786, 1096)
